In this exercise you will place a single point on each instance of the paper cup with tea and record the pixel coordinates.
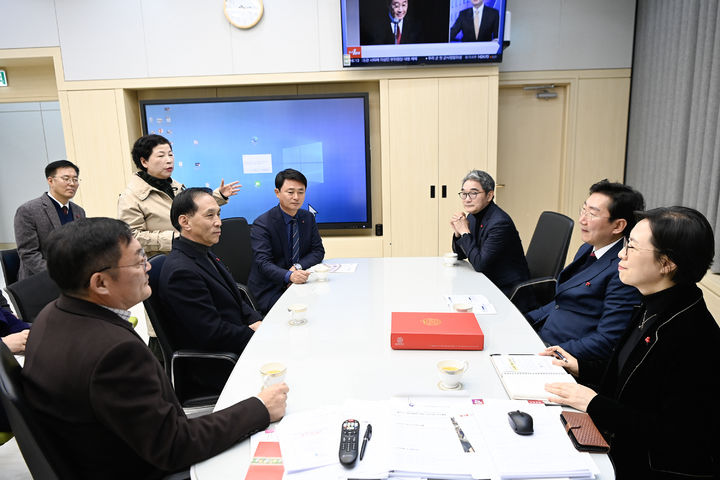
(298, 314)
(272, 373)
(449, 259)
(450, 373)
(321, 271)
(463, 307)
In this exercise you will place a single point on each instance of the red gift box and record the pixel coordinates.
(435, 331)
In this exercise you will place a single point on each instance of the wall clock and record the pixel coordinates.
(243, 13)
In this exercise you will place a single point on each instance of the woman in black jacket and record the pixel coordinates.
(655, 401)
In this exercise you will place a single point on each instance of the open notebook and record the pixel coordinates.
(524, 375)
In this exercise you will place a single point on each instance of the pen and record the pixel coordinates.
(560, 356)
(366, 437)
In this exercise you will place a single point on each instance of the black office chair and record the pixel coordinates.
(31, 294)
(235, 251)
(545, 257)
(10, 261)
(41, 456)
(179, 363)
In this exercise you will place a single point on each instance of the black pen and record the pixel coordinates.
(366, 437)
(560, 356)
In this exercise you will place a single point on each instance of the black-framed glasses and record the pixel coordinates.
(627, 246)
(472, 194)
(143, 263)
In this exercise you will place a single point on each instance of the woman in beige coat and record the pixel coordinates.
(145, 203)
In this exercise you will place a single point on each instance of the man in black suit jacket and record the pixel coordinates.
(98, 392)
(36, 219)
(277, 264)
(394, 27)
(465, 23)
(486, 235)
(195, 289)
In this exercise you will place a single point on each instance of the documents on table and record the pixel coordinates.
(544, 454)
(342, 267)
(524, 375)
(481, 305)
(435, 437)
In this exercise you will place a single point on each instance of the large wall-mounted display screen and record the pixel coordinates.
(326, 137)
(418, 32)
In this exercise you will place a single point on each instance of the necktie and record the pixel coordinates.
(65, 210)
(398, 33)
(295, 241)
(476, 21)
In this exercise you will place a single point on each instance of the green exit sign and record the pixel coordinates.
(3, 79)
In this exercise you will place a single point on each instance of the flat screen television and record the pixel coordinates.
(422, 32)
(326, 137)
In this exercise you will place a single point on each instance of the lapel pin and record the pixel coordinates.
(647, 340)
(587, 284)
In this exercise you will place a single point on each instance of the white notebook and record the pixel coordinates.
(524, 375)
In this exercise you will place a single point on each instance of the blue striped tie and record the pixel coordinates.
(295, 242)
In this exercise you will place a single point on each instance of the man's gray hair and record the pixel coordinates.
(483, 178)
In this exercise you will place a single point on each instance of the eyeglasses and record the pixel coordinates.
(584, 212)
(143, 263)
(627, 247)
(68, 179)
(472, 194)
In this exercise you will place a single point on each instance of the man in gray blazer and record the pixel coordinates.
(34, 220)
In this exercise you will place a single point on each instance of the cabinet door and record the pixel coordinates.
(467, 116)
(413, 148)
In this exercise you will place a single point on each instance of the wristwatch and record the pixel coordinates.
(297, 266)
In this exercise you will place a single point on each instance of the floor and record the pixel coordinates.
(12, 464)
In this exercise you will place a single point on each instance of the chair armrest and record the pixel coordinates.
(230, 357)
(535, 282)
(248, 296)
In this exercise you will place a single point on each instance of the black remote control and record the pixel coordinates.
(349, 436)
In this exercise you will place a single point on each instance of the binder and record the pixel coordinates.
(524, 375)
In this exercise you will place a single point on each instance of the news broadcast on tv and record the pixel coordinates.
(412, 32)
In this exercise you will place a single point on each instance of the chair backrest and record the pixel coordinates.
(10, 261)
(41, 456)
(234, 248)
(31, 294)
(154, 310)
(549, 245)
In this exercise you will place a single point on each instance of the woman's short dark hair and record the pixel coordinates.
(289, 174)
(80, 248)
(144, 146)
(184, 204)
(684, 236)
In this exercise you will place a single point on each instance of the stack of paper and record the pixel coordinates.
(433, 437)
(547, 453)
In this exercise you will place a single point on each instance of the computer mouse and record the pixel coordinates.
(521, 422)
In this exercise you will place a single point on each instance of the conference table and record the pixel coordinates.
(343, 351)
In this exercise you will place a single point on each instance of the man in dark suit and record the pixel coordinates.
(394, 27)
(97, 390)
(478, 23)
(592, 307)
(285, 241)
(486, 235)
(195, 289)
(34, 220)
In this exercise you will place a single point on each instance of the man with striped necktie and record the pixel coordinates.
(285, 242)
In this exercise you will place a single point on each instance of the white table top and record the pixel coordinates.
(343, 352)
